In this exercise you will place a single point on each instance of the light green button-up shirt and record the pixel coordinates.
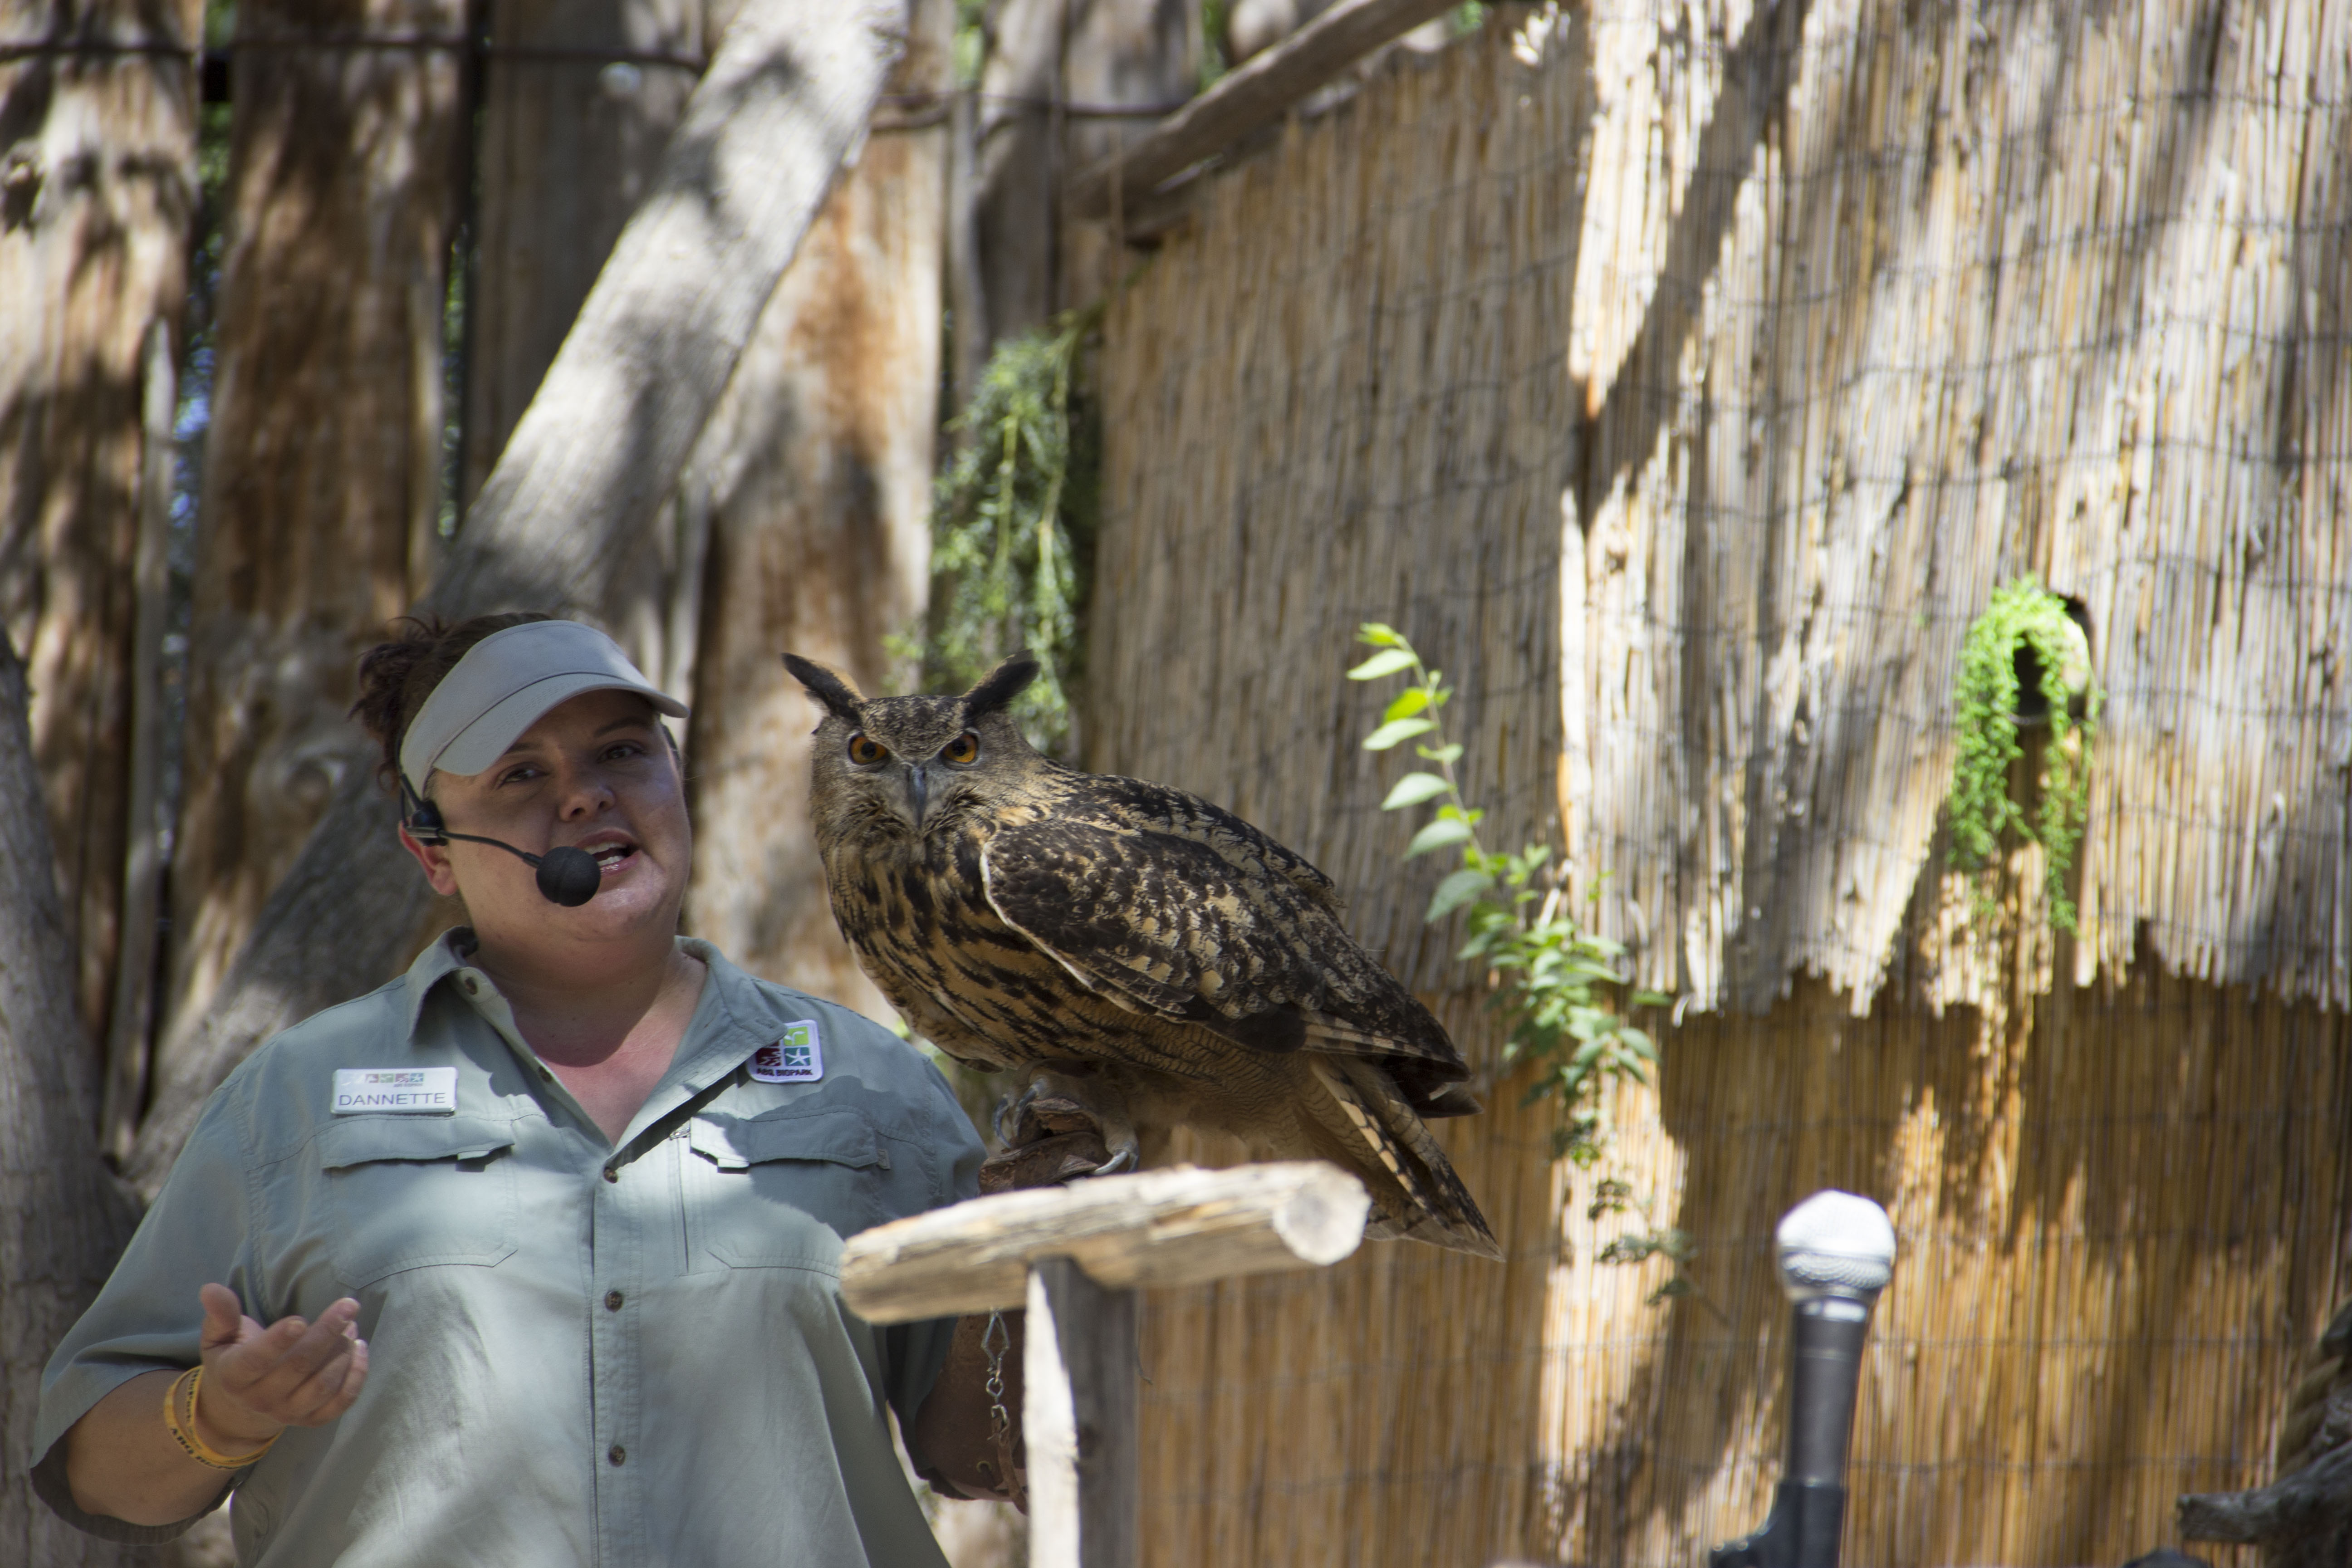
(580, 1355)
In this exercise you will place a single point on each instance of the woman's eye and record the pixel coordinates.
(865, 752)
(964, 748)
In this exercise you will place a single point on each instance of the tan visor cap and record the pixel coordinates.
(506, 683)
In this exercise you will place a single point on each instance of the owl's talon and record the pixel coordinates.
(1065, 1122)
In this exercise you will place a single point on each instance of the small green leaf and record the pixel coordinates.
(1439, 754)
(1412, 789)
(1436, 835)
(1457, 890)
(1378, 635)
(1408, 702)
(1381, 664)
(1388, 734)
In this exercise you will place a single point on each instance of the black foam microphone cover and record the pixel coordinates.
(568, 877)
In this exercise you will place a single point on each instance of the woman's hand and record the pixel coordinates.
(258, 1382)
(122, 1460)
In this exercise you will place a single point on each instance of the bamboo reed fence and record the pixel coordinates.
(1681, 379)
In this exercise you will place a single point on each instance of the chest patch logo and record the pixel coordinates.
(412, 1092)
(796, 1057)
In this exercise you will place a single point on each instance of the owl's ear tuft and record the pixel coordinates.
(829, 687)
(1001, 685)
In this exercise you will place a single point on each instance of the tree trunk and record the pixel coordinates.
(817, 470)
(1044, 54)
(1120, 52)
(62, 1218)
(565, 519)
(1015, 166)
(98, 191)
(321, 486)
(569, 145)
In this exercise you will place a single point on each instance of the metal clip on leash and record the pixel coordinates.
(1835, 1253)
(994, 1340)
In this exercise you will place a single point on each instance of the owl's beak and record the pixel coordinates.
(919, 792)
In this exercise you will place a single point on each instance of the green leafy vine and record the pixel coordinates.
(2023, 615)
(1554, 972)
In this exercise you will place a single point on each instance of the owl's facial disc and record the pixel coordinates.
(901, 785)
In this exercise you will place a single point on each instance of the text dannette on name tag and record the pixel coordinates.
(416, 1091)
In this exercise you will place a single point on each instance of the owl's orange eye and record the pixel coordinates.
(964, 749)
(865, 752)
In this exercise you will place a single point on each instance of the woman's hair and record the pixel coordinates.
(397, 677)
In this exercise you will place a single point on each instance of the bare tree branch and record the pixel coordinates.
(2304, 1521)
(1254, 95)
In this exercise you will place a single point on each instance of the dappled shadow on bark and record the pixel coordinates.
(95, 206)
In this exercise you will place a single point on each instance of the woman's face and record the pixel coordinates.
(594, 772)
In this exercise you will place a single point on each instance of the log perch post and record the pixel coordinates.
(1076, 1257)
(1078, 1416)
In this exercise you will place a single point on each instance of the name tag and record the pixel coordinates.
(797, 1057)
(414, 1091)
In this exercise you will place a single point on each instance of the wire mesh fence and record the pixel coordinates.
(1681, 379)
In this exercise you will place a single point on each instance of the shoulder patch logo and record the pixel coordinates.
(797, 1057)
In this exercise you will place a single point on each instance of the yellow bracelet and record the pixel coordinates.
(184, 1428)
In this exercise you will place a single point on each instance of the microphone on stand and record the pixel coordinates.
(1835, 1252)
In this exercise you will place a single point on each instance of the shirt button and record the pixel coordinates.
(611, 1174)
(617, 1454)
(472, 989)
(611, 1301)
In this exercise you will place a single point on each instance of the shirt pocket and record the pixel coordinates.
(762, 1179)
(412, 1192)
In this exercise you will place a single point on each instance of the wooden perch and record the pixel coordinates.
(2304, 1521)
(1157, 1228)
(1079, 1404)
(1255, 94)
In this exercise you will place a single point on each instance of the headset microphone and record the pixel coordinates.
(567, 876)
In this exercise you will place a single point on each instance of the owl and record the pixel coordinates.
(1126, 947)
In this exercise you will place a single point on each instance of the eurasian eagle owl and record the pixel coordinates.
(1165, 960)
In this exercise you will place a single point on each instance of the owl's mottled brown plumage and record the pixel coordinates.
(1195, 972)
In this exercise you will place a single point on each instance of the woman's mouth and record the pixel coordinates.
(610, 855)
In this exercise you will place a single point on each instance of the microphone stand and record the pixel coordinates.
(1835, 1252)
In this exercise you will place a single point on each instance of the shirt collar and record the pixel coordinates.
(450, 951)
(439, 960)
(717, 1040)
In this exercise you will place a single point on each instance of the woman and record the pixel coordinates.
(545, 1232)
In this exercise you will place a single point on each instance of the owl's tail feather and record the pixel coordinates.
(1424, 1200)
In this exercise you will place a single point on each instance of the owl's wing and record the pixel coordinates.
(1108, 800)
(1163, 924)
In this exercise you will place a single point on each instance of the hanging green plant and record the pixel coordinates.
(1013, 525)
(2023, 659)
